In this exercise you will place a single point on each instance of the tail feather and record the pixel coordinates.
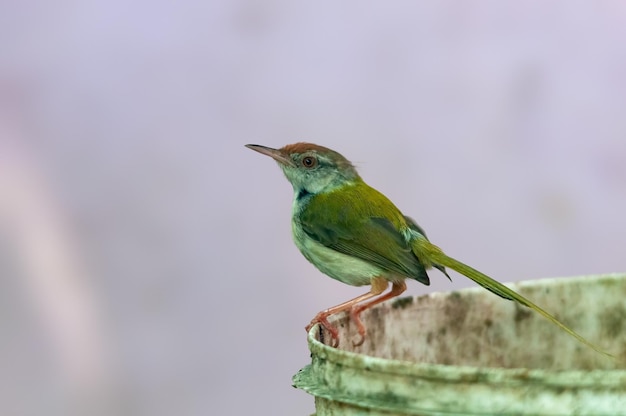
(442, 270)
(434, 256)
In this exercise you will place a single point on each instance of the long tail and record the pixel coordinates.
(432, 255)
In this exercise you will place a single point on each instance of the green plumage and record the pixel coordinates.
(358, 220)
(355, 234)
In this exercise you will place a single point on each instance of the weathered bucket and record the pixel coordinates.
(473, 353)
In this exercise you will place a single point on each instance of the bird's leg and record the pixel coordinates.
(396, 289)
(379, 285)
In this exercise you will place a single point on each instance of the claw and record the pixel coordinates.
(359, 342)
(335, 341)
(354, 316)
(322, 319)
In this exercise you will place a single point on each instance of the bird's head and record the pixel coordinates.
(310, 167)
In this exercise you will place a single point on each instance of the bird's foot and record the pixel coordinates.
(355, 313)
(322, 319)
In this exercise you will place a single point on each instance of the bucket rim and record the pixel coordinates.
(464, 373)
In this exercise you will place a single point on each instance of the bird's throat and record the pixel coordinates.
(302, 194)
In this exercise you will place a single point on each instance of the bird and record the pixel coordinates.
(356, 235)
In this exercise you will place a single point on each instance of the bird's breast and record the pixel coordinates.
(345, 268)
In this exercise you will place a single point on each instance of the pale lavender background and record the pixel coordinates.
(146, 260)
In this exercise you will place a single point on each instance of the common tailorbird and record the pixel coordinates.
(353, 233)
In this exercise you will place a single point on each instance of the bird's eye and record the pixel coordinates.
(309, 162)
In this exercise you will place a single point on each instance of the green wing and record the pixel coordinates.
(414, 226)
(361, 222)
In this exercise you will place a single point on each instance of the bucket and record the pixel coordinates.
(472, 353)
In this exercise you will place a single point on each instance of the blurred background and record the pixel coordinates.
(146, 262)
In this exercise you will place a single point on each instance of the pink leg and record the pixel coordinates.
(396, 289)
(379, 285)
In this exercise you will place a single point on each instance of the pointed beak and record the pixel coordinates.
(275, 154)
